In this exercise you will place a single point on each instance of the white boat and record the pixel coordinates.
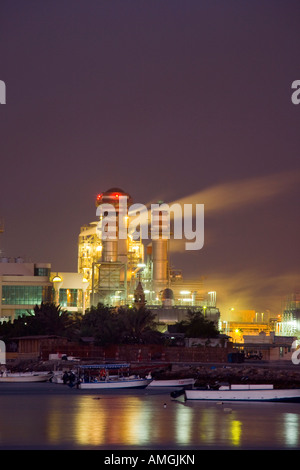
(258, 392)
(97, 377)
(14, 377)
(115, 384)
(57, 378)
(63, 377)
(172, 383)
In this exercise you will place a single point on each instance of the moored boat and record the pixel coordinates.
(172, 383)
(14, 377)
(65, 377)
(97, 377)
(254, 392)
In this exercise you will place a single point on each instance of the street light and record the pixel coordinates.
(85, 283)
(57, 282)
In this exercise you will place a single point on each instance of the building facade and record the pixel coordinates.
(114, 265)
(22, 286)
(70, 291)
(109, 264)
(290, 324)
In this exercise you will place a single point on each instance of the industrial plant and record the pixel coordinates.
(135, 272)
(121, 268)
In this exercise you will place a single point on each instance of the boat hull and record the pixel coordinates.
(25, 378)
(267, 395)
(114, 384)
(172, 383)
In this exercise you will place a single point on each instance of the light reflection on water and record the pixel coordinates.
(138, 419)
(291, 429)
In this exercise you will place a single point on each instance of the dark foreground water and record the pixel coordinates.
(52, 416)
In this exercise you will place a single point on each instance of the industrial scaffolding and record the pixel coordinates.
(109, 283)
(291, 316)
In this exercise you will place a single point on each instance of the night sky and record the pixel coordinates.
(169, 100)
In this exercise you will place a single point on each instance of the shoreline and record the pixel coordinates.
(280, 378)
(280, 374)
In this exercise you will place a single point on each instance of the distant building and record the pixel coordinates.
(22, 286)
(171, 314)
(268, 347)
(70, 291)
(109, 264)
(113, 265)
(290, 324)
(139, 296)
(238, 330)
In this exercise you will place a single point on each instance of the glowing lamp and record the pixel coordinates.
(57, 278)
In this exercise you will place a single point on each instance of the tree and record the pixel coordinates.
(124, 325)
(197, 326)
(8, 329)
(100, 322)
(138, 326)
(50, 319)
(46, 319)
(107, 325)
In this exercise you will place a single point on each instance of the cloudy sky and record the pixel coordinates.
(174, 100)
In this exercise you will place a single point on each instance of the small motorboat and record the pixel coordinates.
(24, 377)
(97, 377)
(172, 383)
(249, 392)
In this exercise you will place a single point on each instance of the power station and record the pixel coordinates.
(134, 272)
(129, 271)
(109, 265)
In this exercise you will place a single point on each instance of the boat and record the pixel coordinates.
(172, 383)
(64, 377)
(24, 377)
(249, 392)
(97, 377)
(57, 378)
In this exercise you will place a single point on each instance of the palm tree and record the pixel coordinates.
(101, 323)
(50, 319)
(138, 325)
(199, 327)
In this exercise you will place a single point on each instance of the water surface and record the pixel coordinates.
(52, 416)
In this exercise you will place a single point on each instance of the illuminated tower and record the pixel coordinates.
(1, 231)
(160, 233)
(114, 247)
(109, 263)
(139, 296)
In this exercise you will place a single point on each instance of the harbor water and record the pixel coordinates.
(53, 416)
